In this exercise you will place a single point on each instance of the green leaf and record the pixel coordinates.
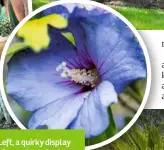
(38, 37)
(154, 137)
(13, 19)
(121, 145)
(95, 140)
(139, 138)
(129, 91)
(16, 47)
(69, 36)
(20, 112)
(132, 140)
(112, 129)
(139, 87)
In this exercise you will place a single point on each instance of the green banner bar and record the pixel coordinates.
(42, 140)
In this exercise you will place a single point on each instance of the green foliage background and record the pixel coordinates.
(142, 19)
(146, 134)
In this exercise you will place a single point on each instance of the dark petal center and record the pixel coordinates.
(80, 70)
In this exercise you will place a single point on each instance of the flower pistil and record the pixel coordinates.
(81, 76)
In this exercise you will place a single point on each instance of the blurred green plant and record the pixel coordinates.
(140, 139)
(39, 3)
(7, 24)
(142, 19)
(5, 27)
(3, 112)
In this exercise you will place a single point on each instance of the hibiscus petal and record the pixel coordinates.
(59, 9)
(58, 114)
(74, 13)
(72, 9)
(110, 44)
(93, 116)
(115, 51)
(32, 78)
(74, 25)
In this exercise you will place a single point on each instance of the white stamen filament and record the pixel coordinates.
(81, 76)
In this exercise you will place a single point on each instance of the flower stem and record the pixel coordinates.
(133, 94)
(123, 103)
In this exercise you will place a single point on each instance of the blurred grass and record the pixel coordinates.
(38, 3)
(142, 19)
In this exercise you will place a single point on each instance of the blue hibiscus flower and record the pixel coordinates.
(70, 86)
